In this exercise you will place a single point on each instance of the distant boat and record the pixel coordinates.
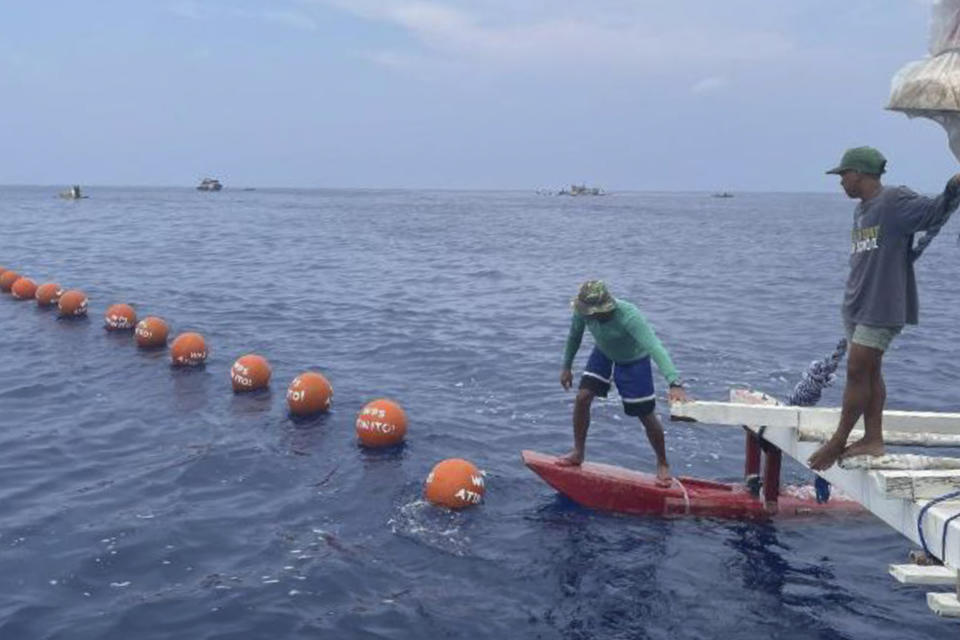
(581, 190)
(73, 193)
(209, 184)
(723, 194)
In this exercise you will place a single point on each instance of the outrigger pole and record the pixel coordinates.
(917, 495)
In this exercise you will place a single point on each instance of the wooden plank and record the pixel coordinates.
(859, 485)
(915, 574)
(729, 413)
(916, 485)
(895, 438)
(807, 418)
(900, 461)
(944, 604)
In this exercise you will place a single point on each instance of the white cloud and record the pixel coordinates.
(287, 18)
(710, 85)
(186, 9)
(394, 59)
(191, 10)
(608, 34)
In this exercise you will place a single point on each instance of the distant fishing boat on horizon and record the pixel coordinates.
(581, 190)
(209, 184)
(73, 193)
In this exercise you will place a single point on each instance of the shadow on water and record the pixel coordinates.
(251, 403)
(120, 338)
(74, 323)
(791, 591)
(762, 567)
(153, 354)
(191, 388)
(384, 455)
(303, 435)
(604, 569)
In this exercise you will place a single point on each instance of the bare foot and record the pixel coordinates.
(824, 457)
(663, 476)
(572, 459)
(863, 447)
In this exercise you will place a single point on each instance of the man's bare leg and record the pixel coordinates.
(871, 444)
(581, 423)
(655, 435)
(857, 396)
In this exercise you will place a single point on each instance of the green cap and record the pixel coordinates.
(861, 160)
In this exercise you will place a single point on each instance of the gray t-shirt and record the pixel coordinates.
(882, 290)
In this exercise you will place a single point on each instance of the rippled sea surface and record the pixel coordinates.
(139, 501)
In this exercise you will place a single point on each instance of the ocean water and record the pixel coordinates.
(139, 501)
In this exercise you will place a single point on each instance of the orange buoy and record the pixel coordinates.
(48, 294)
(309, 393)
(72, 303)
(7, 279)
(250, 372)
(454, 483)
(24, 289)
(188, 350)
(119, 317)
(151, 332)
(381, 423)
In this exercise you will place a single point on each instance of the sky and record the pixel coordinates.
(759, 95)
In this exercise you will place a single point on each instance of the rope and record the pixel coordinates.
(949, 202)
(686, 497)
(818, 376)
(946, 527)
(923, 512)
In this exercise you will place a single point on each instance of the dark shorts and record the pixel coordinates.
(634, 382)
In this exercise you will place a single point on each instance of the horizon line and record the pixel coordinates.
(367, 188)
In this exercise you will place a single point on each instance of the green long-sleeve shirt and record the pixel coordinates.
(625, 337)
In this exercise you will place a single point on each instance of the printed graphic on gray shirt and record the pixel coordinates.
(866, 239)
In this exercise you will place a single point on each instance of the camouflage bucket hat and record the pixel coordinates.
(593, 298)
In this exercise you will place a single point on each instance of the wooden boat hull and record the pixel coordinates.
(610, 488)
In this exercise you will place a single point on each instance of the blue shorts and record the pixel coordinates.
(634, 382)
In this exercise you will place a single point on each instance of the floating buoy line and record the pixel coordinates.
(452, 483)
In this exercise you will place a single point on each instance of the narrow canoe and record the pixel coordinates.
(610, 488)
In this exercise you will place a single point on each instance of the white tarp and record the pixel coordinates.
(930, 88)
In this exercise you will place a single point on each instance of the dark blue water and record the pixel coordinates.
(144, 502)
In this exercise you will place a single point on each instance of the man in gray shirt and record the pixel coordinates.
(881, 292)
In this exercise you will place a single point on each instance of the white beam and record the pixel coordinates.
(897, 438)
(944, 604)
(808, 418)
(916, 574)
(900, 461)
(860, 486)
(916, 485)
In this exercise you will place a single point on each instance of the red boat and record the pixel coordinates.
(609, 488)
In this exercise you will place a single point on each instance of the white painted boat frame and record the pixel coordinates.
(895, 496)
(823, 419)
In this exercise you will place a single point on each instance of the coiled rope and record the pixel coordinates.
(818, 376)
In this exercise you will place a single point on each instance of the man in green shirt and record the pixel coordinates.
(624, 345)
